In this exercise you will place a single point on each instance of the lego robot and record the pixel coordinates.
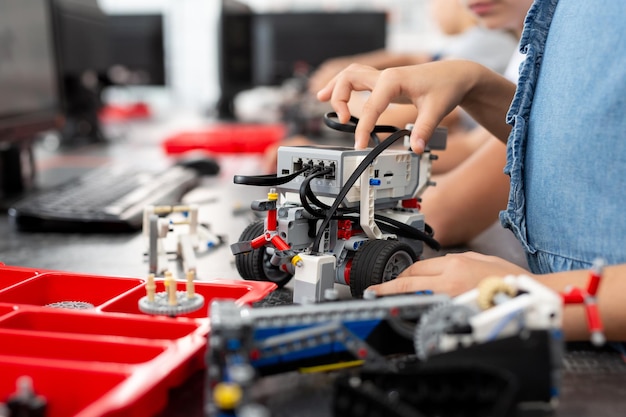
(338, 215)
(175, 231)
(492, 348)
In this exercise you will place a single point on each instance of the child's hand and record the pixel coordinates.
(326, 72)
(452, 274)
(435, 89)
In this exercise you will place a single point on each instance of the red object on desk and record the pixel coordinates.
(118, 112)
(110, 360)
(226, 138)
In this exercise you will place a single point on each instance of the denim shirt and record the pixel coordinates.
(566, 154)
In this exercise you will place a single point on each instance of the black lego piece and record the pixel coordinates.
(531, 357)
(25, 402)
(487, 379)
(424, 390)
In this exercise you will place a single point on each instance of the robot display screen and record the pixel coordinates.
(29, 95)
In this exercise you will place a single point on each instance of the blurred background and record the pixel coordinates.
(76, 72)
(192, 41)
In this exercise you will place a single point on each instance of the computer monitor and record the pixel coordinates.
(267, 48)
(234, 54)
(83, 60)
(281, 42)
(82, 33)
(136, 49)
(30, 98)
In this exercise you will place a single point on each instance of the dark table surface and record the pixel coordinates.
(594, 382)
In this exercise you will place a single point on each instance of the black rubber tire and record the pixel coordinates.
(255, 265)
(378, 261)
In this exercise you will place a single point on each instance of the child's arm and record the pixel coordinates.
(468, 199)
(456, 273)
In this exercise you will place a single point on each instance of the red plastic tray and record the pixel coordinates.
(226, 138)
(110, 360)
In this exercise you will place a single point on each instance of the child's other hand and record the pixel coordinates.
(452, 274)
(435, 89)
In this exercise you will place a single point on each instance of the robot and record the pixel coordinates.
(338, 215)
(175, 230)
(484, 352)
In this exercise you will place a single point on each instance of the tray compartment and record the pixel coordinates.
(102, 327)
(50, 288)
(6, 309)
(67, 391)
(58, 348)
(11, 276)
(243, 291)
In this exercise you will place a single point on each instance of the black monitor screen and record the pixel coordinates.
(280, 41)
(136, 49)
(29, 95)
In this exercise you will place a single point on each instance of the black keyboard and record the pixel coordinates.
(106, 199)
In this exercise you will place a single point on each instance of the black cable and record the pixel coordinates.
(385, 223)
(320, 209)
(323, 207)
(329, 120)
(369, 158)
(306, 184)
(405, 230)
(310, 196)
(267, 180)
